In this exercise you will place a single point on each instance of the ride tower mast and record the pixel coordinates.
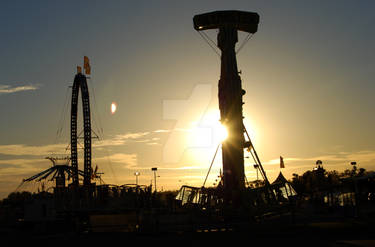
(230, 93)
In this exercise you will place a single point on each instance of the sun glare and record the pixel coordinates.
(222, 132)
(203, 137)
(113, 107)
(207, 132)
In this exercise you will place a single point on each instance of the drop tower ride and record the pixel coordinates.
(230, 93)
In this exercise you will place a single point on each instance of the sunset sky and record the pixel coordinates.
(308, 72)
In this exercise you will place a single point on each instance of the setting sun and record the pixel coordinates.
(222, 132)
(208, 131)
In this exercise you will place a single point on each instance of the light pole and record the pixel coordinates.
(136, 174)
(318, 163)
(354, 170)
(154, 169)
(256, 166)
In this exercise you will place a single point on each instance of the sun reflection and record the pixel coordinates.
(113, 107)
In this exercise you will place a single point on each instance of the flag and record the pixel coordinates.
(86, 65)
(282, 162)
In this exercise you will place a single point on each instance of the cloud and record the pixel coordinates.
(22, 167)
(6, 89)
(161, 131)
(135, 135)
(277, 161)
(339, 158)
(121, 139)
(21, 149)
(152, 143)
(362, 156)
(186, 168)
(128, 160)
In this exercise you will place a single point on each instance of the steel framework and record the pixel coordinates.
(80, 82)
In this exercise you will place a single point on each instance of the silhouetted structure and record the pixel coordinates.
(58, 172)
(80, 82)
(230, 92)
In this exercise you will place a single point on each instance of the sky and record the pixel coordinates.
(308, 73)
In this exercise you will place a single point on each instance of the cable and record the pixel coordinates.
(256, 158)
(97, 121)
(262, 171)
(62, 116)
(93, 104)
(248, 37)
(246, 181)
(110, 165)
(207, 39)
(212, 162)
(19, 186)
(212, 44)
(97, 115)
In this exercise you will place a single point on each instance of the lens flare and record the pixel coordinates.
(222, 132)
(113, 107)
